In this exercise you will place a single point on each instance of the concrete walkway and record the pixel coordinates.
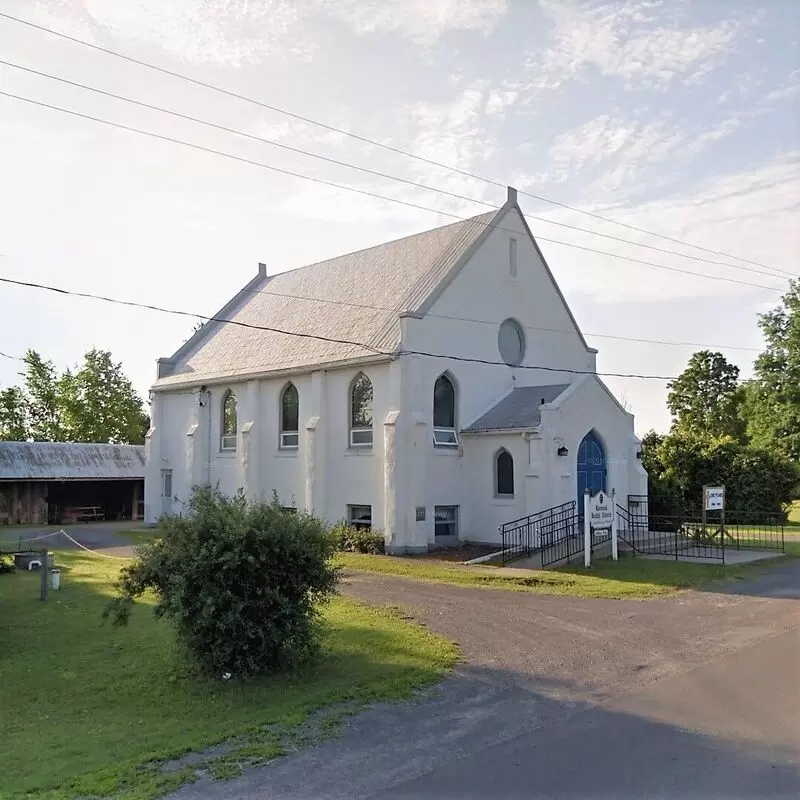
(732, 556)
(687, 697)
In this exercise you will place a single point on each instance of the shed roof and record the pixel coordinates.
(70, 461)
(357, 297)
(519, 410)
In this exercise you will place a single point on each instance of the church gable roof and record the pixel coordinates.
(521, 409)
(357, 297)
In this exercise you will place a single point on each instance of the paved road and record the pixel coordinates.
(694, 696)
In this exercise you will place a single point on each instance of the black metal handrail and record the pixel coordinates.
(524, 536)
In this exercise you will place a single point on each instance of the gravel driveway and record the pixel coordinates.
(106, 537)
(694, 696)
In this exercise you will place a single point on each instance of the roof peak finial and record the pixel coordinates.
(511, 198)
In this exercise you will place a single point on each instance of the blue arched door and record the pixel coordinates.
(591, 467)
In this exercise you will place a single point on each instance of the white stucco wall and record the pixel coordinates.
(589, 406)
(349, 475)
(486, 510)
(484, 290)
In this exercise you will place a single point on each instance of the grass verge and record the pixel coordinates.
(628, 577)
(93, 711)
(140, 535)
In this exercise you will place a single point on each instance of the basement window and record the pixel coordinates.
(445, 521)
(360, 517)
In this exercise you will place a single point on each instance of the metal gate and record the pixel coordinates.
(692, 535)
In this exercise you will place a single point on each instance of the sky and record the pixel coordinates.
(677, 117)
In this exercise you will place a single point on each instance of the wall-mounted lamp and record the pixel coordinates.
(639, 454)
(562, 451)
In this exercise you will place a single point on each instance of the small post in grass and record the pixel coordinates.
(43, 575)
(587, 530)
(614, 543)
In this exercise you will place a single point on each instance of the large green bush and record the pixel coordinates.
(757, 481)
(350, 539)
(241, 581)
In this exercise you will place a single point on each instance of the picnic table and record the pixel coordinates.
(82, 514)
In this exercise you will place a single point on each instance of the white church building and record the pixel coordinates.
(433, 388)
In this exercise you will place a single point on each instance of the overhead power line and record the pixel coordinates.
(375, 143)
(366, 170)
(573, 332)
(376, 351)
(375, 195)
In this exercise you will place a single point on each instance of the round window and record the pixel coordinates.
(511, 342)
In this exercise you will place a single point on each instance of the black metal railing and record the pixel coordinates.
(524, 536)
(691, 535)
(565, 541)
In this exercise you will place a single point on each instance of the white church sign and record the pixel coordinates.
(601, 511)
(599, 514)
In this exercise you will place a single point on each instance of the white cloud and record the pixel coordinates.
(752, 214)
(788, 90)
(628, 41)
(217, 31)
(422, 21)
(628, 154)
(499, 100)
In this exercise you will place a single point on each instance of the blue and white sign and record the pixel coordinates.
(714, 498)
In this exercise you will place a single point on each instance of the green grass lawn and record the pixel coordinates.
(794, 514)
(141, 535)
(88, 710)
(628, 577)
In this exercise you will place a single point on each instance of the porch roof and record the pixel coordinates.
(518, 410)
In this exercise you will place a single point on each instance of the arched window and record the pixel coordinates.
(229, 426)
(503, 474)
(290, 417)
(444, 413)
(361, 411)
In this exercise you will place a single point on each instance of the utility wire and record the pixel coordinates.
(376, 351)
(374, 142)
(575, 332)
(373, 172)
(377, 196)
(239, 323)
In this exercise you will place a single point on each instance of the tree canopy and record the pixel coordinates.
(706, 398)
(95, 402)
(745, 435)
(772, 404)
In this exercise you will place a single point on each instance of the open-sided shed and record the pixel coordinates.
(55, 482)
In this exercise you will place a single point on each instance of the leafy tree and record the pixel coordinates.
(772, 407)
(242, 582)
(101, 403)
(13, 415)
(94, 403)
(705, 399)
(43, 399)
